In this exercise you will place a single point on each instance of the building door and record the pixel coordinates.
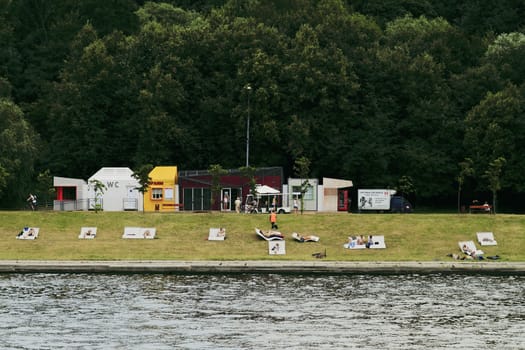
(235, 193)
(226, 199)
(187, 199)
(197, 199)
(131, 202)
(342, 200)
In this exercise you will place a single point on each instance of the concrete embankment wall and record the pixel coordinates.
(299, 267)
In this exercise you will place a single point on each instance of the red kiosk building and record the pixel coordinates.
(195, 187)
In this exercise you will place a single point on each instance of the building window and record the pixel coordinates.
(156, 193)
(309, 194)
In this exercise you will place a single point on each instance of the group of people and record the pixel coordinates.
(471, 253)
(26, 233)
(253, 204)
(226, 203)
(360, 240)
(238, 203)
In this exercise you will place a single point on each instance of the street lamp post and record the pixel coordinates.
(249, 89)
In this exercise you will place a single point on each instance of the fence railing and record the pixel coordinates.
(130, 204)
(91, 204)
(70, 204)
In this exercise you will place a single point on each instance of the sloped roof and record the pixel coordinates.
(67, 181)
(336, 183)
(112, 173)
(164, 173)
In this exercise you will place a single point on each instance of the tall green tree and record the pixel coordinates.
(507, 53)
(495, 128)
(416, 66)
(249, 173)
(216, 171)
(321, 86)
(493, 177)
(44, 188)
(98, 188)
(302, 170)
(141, 174)
(465, 170)
(18, 152)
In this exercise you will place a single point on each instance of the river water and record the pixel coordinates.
(254, 311)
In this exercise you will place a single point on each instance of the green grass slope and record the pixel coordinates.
(183, 236)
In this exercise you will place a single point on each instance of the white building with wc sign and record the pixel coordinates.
(120, 192)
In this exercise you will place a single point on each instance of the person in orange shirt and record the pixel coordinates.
(273, 220)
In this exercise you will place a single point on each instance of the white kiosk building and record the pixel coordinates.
(330, 196)
(310, 200)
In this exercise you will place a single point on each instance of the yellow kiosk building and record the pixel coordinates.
(163, 191)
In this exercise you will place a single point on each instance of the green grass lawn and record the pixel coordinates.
(183, 236)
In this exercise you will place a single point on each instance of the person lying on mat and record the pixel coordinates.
(467, 250)
(26, 232)
(271, 234)
(472, 252)
(306, 238)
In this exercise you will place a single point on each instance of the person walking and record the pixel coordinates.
(31, 200)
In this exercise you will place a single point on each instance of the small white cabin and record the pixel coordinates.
(71, 194)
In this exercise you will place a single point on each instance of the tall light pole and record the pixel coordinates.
(248, 87)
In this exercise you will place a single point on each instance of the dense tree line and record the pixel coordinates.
(391, 93)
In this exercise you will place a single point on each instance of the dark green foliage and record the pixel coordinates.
(216, 171)
(18, 150)
(373, 91)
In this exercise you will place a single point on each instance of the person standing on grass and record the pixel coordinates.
(273, 220)
(238, 205)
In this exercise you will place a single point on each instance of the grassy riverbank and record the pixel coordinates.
(182, 236)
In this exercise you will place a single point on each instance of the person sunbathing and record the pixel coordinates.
(468, 251)
(473, 253)
(26, 232)
(271, 234)
(304, 238)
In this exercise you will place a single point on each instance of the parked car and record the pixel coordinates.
(252, 205)
(399, 204)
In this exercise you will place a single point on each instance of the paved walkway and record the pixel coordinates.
(273, 266)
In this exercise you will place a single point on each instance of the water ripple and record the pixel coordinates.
(93, 311)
